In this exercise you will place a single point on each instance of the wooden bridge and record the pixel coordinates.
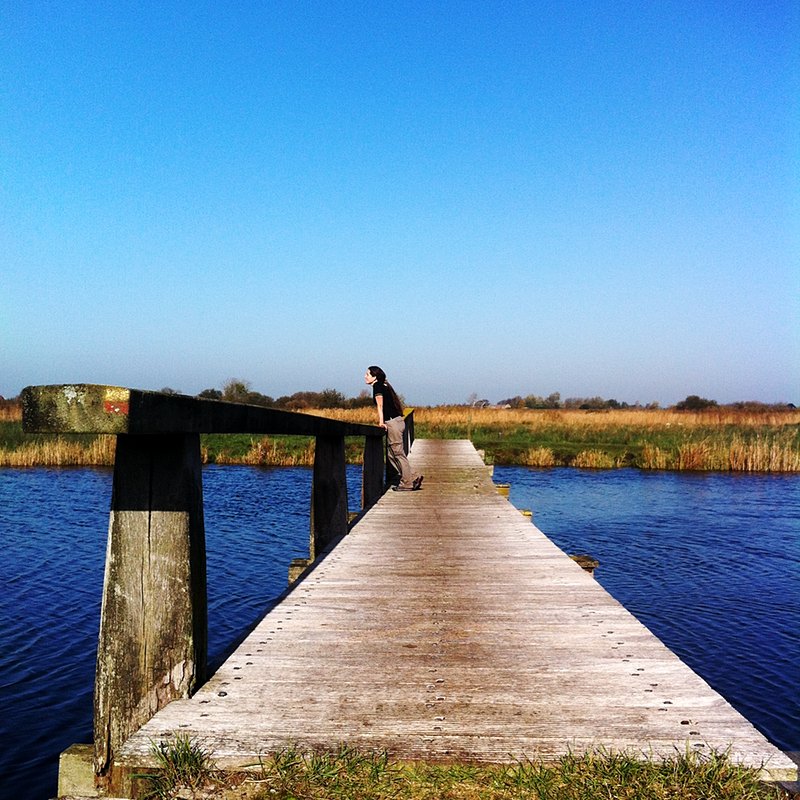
(444, 625)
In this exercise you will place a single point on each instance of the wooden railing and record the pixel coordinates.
(153, 637)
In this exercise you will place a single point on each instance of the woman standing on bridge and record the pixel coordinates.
(390, 418)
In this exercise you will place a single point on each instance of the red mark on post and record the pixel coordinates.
(115, 408)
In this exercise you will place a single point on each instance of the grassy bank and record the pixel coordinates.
(186, 770)
(721, 439)
(18, 449)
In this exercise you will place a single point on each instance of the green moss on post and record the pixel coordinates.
(75, 408)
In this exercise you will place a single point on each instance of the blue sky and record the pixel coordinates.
(496, 198)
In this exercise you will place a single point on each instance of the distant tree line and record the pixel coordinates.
(240, 391)
(691, 403)
(237, 390)
(695, 403)
(554, 401)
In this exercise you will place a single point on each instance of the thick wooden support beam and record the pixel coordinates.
(372, 472)
(328, 494)
(153, 629)
(92, 408)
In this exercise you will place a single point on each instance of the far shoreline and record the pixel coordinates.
(722, 439)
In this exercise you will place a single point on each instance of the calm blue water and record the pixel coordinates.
(711, 563)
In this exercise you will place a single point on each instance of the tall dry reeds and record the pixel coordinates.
(594, 459)
(59, 452)
(640, 418)
(765, 454)
(538, 457)
(10, 411)
(654, 457)
(726, 439)
(721, 438)
(267, 452)
(762, 454)
(361, 416)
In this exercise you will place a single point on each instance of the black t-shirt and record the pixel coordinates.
(390, 409)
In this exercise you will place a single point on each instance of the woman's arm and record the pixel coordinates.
(379, 403)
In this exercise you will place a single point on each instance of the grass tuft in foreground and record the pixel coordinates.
(347, 773)
(182, 764)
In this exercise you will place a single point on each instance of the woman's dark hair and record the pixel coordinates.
(378, 373)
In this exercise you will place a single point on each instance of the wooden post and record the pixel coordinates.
(409, 439)
(153, 629)
(372, 471)
(328, 494)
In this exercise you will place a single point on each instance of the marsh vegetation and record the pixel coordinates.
(718, 438)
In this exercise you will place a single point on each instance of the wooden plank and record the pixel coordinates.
(445, 626)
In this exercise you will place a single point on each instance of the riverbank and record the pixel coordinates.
(719, 439)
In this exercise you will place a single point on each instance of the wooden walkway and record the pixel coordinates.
(445, 626)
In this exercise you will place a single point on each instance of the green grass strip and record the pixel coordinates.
(347, 773)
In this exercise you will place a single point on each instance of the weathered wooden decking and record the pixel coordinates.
(446, 625)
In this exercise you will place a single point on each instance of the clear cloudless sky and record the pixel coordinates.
(491, 198)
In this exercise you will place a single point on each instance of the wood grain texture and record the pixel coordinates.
(444, 626)
(153, 624)
(96, 408)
